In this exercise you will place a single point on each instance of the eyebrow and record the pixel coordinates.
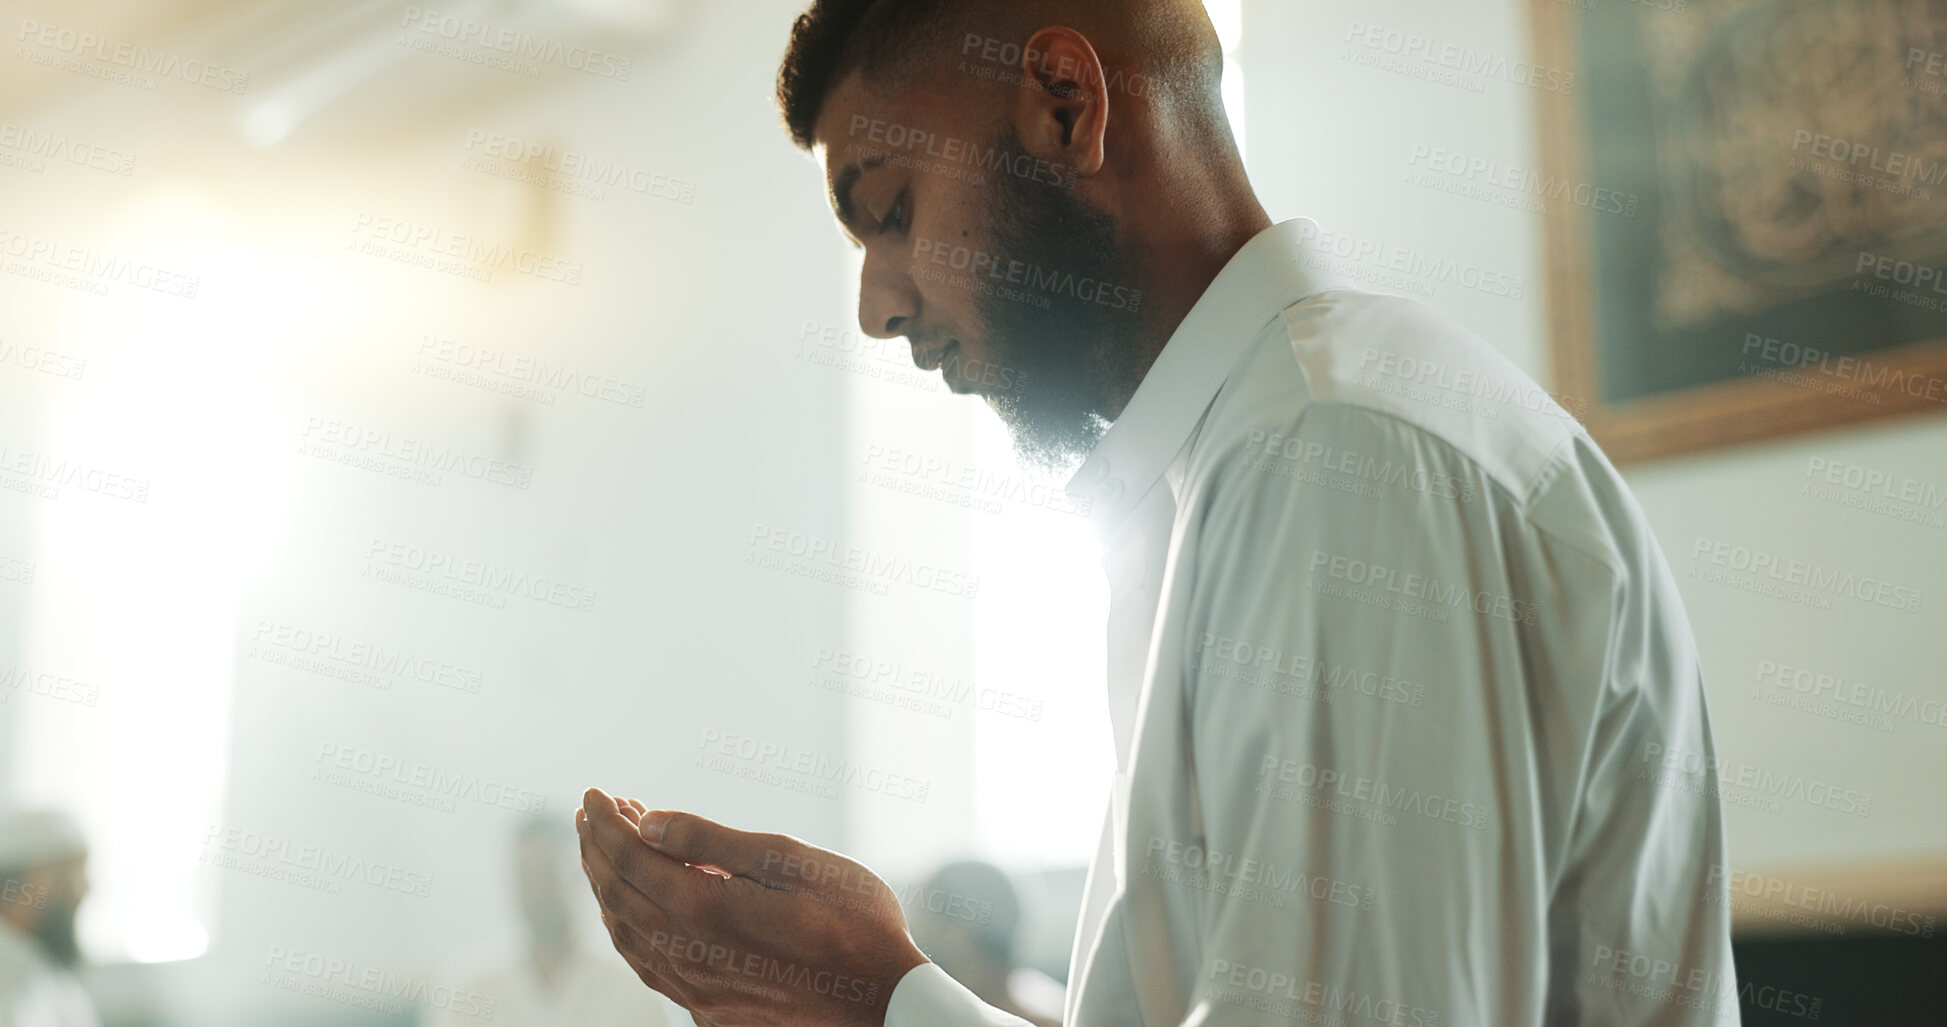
(847, 177)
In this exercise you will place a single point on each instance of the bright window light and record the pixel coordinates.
(139, 597)
(1040, 786)
(1228, 17)
(1039, 624)
(1234, 101)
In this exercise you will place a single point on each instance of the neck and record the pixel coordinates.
(1185, 243)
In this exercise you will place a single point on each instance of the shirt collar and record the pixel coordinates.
(1264, 277)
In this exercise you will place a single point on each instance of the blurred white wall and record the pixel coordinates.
(1333, 139)
(274, 413)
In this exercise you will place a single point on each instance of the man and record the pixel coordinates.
(43, 878)
(551, 978)
(1407, 713)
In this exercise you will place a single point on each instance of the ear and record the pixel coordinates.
(1062, 113)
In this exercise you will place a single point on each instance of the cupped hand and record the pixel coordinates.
(743, 928)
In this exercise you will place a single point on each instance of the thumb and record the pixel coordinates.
(702, 842)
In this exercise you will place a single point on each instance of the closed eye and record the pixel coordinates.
(897, 217)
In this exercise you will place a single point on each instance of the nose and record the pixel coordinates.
(888, 299)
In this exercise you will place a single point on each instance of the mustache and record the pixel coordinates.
(927, 335)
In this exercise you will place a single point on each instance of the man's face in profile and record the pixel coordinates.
(986, 256)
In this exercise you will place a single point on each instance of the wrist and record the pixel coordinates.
(902, 961)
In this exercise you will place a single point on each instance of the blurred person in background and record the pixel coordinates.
(43, 878)
(967, 917)
(549, 978)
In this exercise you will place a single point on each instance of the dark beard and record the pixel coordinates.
(56, 935)
(1075, 357)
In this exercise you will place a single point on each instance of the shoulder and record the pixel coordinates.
(1401, 360)
(1368, 397)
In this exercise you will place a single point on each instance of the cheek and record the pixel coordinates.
(945, 209)
(948, 296)
(947, 229)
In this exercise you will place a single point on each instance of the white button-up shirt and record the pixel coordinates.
(1408, 715)
(34, 991)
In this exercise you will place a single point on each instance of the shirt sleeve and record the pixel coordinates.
(928, 997)
(1640, 917)
(1391, 678)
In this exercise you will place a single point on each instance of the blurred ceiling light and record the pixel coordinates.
(646, 18)
(311, 75)
(324, 74)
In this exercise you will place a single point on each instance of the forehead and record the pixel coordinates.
(857, 120)
(843, 133)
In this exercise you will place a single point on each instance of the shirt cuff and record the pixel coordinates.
(927, 997)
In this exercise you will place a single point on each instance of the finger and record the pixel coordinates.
(633, 939)
(659, 977)
(689, 984)
(581, 838)
(688, 897)
(598, 803)
(706, 843)
(595, 798)
(650, 964)
(621, 899)
(596, 872)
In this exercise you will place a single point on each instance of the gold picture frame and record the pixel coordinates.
(1781, 391)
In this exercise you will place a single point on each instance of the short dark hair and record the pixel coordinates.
(834, 38)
